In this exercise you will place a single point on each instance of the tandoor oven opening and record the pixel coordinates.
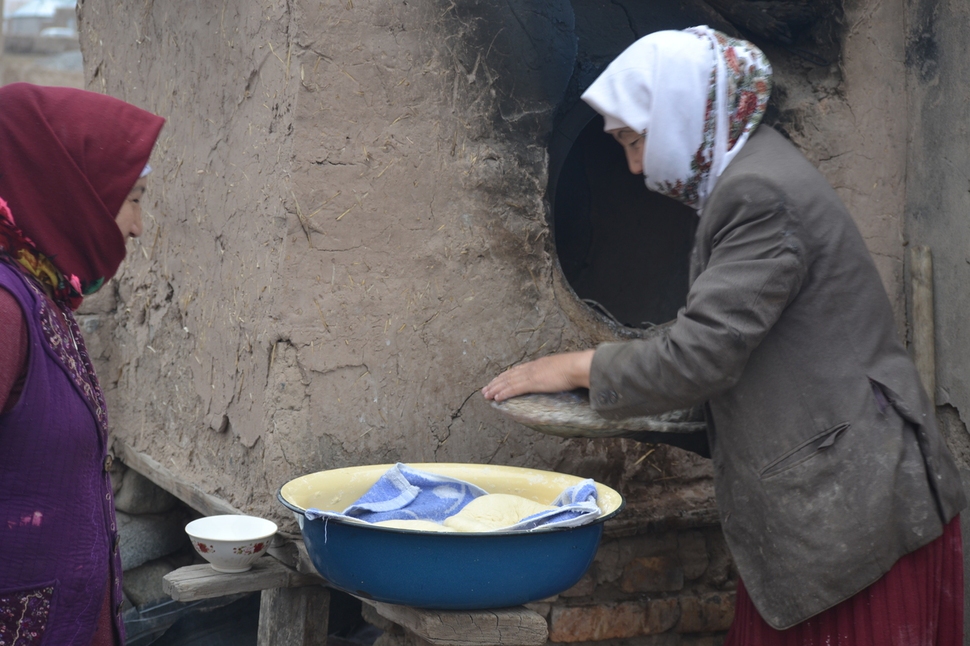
(623, 249)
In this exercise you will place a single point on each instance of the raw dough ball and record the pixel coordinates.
(415, 525)
(494, 511)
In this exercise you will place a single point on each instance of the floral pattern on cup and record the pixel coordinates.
(248, 549)
(205, 549)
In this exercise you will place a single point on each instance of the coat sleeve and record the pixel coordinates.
(756, 267)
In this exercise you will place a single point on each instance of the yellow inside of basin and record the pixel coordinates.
(337, 489)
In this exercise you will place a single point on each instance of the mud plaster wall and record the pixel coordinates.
(938, 191)
(346, 236)
(938, 201)
(850, 119)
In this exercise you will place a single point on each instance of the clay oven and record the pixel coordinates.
(622, 248)
(361, 211)
(358, 218)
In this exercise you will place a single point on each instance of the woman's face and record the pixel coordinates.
(129, 217)
(632, 142)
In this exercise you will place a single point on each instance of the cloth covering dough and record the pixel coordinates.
(404, 493)
(494, 511)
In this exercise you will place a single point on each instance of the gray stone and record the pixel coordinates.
(143, 584)
(721, 572)
(104, 301)
(117, 473)
(374, 618)
(150, 536)
(652, 574)
(692, 549)
(139, 495)
(393, 639)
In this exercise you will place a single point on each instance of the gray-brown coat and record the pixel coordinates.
(786, 334)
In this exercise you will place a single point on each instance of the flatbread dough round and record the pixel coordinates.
(415, 525)
(494, 511)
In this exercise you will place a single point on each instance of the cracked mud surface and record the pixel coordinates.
(346, 238)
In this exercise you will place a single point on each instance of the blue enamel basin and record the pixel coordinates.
(449, 571)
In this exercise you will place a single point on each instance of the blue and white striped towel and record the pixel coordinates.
(576, 506)
(403, 493)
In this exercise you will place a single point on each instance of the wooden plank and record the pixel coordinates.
(294, 617)
(924, 328)
(190, 494)
(195, 582)
(505, 626)
(293, 553)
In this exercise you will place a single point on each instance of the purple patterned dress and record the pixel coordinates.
(58, 534)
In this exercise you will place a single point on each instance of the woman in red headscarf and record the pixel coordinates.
(72, 166)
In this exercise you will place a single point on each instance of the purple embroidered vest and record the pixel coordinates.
(58, 534)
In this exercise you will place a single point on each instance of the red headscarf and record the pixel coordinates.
(68, 159)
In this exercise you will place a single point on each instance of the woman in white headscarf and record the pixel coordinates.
(836, 493)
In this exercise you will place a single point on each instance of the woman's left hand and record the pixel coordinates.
(551, 374)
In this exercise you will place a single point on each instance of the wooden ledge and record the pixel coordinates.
(189, 493)
(517, 626)
(195, 582)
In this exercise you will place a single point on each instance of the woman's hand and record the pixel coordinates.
(551, 374)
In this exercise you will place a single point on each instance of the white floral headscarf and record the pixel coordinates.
(696, 94)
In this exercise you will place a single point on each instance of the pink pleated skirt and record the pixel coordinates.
(919, 602)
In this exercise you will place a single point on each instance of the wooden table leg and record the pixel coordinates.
(516, 626)
(294, 616)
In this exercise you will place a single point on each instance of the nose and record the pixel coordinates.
(136, 224)
(634, 159)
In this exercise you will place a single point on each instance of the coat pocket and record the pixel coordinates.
(804, 451)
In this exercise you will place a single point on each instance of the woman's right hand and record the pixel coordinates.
(551, 374)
